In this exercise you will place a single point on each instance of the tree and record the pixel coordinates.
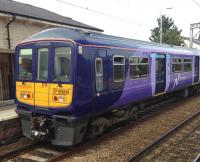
(171, 33)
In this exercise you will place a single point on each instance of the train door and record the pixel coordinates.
(100, 72)
(41, 84)
(196, 69)
(100, 77)
(160, 69)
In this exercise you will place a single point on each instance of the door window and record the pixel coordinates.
(160, 66)
(99, 74)
(42, 65)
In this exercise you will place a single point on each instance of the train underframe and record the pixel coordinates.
(68, 131)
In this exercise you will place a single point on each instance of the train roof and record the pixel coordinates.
(92, 38)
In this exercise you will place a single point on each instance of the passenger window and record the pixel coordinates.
(138, 67)
(99, 74)
(187, 65)
(42, 65)
(118, 68)
(176, 65)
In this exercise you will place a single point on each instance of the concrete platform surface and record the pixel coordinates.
(7, 113)
(7, 102)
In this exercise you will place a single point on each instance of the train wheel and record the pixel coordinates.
(97, 126)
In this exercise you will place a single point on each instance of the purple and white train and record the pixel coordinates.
(70, 83)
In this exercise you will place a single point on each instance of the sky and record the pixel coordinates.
(127, 18)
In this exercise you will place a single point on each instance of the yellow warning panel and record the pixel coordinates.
(44, 95)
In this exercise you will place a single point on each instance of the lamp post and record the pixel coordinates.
(161, 24)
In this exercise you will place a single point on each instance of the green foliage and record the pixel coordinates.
(171, 33)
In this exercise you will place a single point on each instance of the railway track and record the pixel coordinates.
(35, 152)
(38, 152)
(16, 151)
(146, 152)
(197, 159)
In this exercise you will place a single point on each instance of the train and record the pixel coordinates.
(73, 83)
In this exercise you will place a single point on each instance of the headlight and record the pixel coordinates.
(25, 96)
(59, 98)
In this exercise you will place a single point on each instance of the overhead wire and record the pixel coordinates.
(197, 3)
(103, 13)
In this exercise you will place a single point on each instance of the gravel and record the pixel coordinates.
(123, 145)
(182, 146)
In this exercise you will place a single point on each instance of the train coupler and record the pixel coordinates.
(40, 128)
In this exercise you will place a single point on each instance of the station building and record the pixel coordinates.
(17, 22)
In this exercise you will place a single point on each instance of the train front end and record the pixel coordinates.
(44, 91)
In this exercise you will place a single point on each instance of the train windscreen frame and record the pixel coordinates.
(62, 64)
(25, 64)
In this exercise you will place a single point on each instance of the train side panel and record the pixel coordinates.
(135, 89)
(180, 79)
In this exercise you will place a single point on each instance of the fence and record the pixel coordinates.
(6, 86)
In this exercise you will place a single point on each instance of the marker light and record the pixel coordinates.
(28, 96)
(55, 98)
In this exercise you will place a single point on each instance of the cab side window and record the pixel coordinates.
(25, 64)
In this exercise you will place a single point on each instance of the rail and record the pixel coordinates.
(197, 159)
(17, 151)
(147, 149)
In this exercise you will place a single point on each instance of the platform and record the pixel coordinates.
(7, 112)
(7, 102)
